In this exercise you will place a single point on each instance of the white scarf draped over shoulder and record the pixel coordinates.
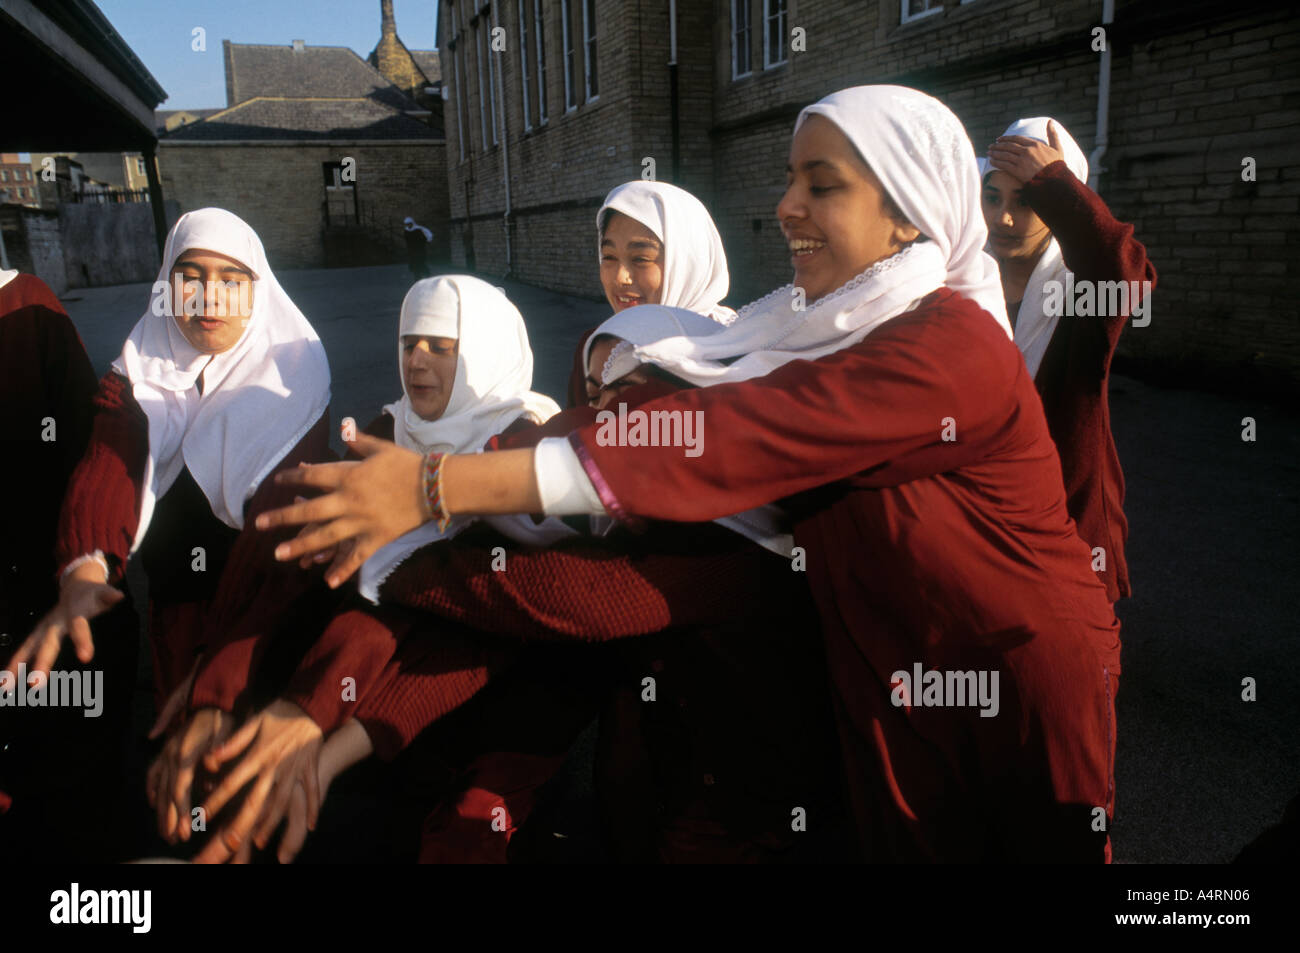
(922, 156)
(636, 327)
(492, 389)
(694, 263)
(1034, 326)
(260, 397)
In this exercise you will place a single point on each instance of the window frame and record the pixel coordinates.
(905, 17)
(569, 57)
(333, 173)
(539, 31)
(783, 16)
(736, 47)
(456, 46)
(523, 63)
(590, 51)
(480, 38)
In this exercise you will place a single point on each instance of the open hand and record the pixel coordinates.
(371, 503)
(84, 594)
(278, 750)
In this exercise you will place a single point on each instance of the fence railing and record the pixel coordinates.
(113, 197)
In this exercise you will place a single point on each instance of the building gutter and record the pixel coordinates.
(1103, 99)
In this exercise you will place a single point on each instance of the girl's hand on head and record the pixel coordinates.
(370, 503)
(1023, 158)
(277, 748)
(84, 594)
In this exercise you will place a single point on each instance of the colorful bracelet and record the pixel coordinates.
(434, 508)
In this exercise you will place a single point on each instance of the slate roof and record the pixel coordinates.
(332, 72)
(315, 93)
(280, 118)
(160, 116)
(429, 64)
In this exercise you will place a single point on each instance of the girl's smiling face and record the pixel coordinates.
(836, 217)
(631, 257)
(429, 373)
(212, 299)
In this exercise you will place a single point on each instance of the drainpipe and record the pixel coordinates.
(1103, 100)
(672, 88)
(505, 151)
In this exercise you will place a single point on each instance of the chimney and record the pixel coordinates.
(389, 27)
(297, 46)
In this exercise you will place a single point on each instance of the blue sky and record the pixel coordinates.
(161, 34)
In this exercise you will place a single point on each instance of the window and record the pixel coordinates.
(492, 73)
(462, 124)
(774, 32)
(916, 9)
(589, 47)
(570, 60)
(480, 41)
(740, 33)
(139, 165)
(340, 196)
(539, 27)
(523, 63)
(4, 175)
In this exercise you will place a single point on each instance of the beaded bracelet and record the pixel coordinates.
(434, 508)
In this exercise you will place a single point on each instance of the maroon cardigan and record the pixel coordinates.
(101, 511)
(1074, 378)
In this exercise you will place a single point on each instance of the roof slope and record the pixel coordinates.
(283, 118)
(333, 72)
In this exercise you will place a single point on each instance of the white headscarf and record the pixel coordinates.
(1034, 328)
(259, 398)
(923, 158)
(694, 262)
(642, 326)
(492, 389)
(7, 275)
(412, 225)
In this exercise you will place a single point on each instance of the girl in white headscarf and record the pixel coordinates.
(881, 397)
(466, 371)
(1055, 240)
(221, 381)
(657, 244)
(455, 402)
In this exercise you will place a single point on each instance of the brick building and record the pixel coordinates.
(319, 151)
(18, 184)
(570, 97)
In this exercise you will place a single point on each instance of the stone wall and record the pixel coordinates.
(33, 244)
(279, 189)
(110, 244)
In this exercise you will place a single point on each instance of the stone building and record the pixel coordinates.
(570, 97)
(319, 151)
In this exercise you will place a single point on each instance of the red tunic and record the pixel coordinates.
(242, 589)
(739, 734)
(49, 756)
(957, 554)
(1074, 377)
(46, 386)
